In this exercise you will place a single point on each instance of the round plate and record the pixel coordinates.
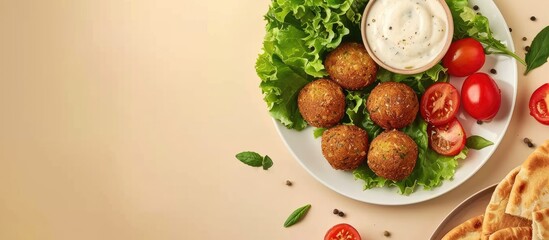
(306, 149)
(473, 206)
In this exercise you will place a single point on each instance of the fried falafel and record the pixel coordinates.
(350, 66)
(392, 105)
(392, 155)
(321, 103)
(345, 147)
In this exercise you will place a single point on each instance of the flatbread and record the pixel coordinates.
(468, 230)
(530, 191)
(540, 224)
(513, 233)
(495, 217)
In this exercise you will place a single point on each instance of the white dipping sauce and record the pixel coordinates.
(406, 34)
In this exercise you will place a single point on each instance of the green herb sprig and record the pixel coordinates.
(255, 160)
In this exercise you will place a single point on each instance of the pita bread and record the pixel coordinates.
(513, 233)
(531, 188)
(495, 217)
(540, 225)
(468, 230)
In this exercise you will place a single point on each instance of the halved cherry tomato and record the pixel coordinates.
(539, 104)
(342, 231)
(448, 139)
(439, 104)
(464, 57)
(481, 96)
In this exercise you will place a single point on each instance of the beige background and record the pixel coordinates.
(120, 119)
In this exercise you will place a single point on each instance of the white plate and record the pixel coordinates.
(306, 149)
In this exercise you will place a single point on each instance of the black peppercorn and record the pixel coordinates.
(493, 71)
(528, 142)
(288, 183)
(341, 214)
(533, 18)
(527, 48)
(524, 38)
(475, 7)
(336, 211)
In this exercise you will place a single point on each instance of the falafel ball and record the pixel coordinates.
(392, 155)
(345, 146)
(392, 105)
(350, 66)
(321, 103)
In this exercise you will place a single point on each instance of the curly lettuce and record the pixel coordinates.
(299, 33)
(420, 81)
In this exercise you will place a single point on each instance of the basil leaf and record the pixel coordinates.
(477, 142)
(297, 215)
(267, 162)
(318, 132)
(539, 51)
(250, 158)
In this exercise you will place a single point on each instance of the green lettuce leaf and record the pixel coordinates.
(357, 114)
(318, 132)
(419, 82)
(281, 104)
(299, 33)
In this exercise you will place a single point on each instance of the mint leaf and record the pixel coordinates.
(297, 215)
(477, 142)
(267, 162)
(250, 158)
(255, 160)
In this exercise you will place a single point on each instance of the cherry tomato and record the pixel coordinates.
(539, 104)
(464, 57)
(448, 139)
(439, 104)
(342, 231)
(481, 96)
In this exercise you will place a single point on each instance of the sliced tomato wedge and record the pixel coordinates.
(448, 139)
(440, 103)
(539, 104)
(342, 231)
